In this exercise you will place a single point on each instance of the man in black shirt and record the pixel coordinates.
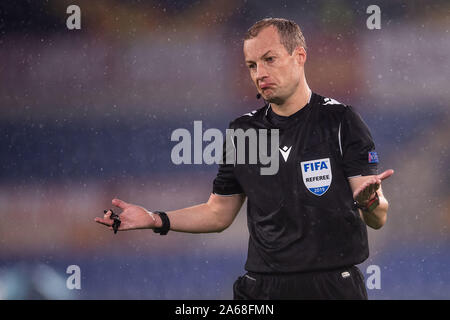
(307, 222)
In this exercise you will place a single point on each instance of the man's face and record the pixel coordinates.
(273, 70)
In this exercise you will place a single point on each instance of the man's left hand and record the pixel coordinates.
(366, 191)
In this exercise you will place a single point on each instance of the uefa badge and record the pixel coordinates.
(316, 175)
(373, 157)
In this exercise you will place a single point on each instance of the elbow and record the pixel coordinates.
(222, 226)
(220, 230)
(221, 214)
(219, 221)
(222, 222)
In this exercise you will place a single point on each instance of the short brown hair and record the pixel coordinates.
(291, 35)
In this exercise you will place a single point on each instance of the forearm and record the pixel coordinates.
(196, 219)
(213, 216)
(376, 218)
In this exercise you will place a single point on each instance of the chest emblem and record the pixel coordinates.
(285, 152)
(317, 175)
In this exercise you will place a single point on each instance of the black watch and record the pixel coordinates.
(165, 223)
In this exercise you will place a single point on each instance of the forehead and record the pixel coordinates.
(267, 39)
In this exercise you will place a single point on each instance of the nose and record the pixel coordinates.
(261, 73)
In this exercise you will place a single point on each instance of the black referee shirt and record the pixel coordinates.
(303, 218)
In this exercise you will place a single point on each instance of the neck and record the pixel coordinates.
(295, 102)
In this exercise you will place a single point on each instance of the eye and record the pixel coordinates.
(252, 66)
(270, 59)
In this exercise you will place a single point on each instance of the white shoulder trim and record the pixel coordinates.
(354, 176)
(250, 114)
(331, 101)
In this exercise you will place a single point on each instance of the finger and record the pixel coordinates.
(373, 188)
(120, 204)
(360, 195)
(365, 188)
(365, 192)
(376, 186)
(105, 222)
(107, 214)
(385, 174)
(370, 187)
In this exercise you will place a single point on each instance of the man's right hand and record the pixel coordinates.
(132, 217)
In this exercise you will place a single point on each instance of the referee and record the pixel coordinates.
(307, 223)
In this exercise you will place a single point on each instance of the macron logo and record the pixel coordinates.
(285, 152)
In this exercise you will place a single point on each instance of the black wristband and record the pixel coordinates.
(165, 223)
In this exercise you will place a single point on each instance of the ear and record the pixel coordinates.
(300, 55)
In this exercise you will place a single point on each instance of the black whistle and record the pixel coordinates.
(115, 217)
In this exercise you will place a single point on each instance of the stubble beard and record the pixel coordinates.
(273, 98)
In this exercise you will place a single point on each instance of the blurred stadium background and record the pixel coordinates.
(86, 116)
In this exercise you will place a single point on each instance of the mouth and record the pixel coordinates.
(266, 86)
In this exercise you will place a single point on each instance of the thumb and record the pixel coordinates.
(385, 174)
(120, 204)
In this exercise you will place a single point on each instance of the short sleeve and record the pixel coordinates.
(357, 145)
(225, 182)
